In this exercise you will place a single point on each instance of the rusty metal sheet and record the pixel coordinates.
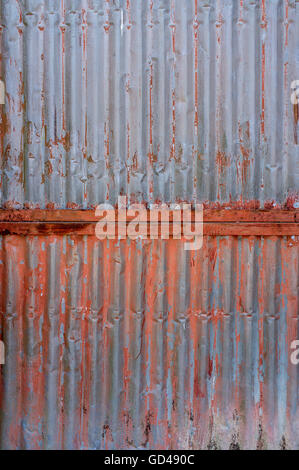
(141, 344)
(158, 99)
(145, 345)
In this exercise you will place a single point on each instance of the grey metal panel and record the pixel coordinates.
(160, 100)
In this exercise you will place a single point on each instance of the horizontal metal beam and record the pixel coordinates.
(216, 222)
(210, 215)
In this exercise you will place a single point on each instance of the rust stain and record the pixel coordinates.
(222, 161)
(263, 90)
(172, 147)
(286, 22)
(48, 168)
(296, 119)
(64, 141)
(244, 137)
(216, 222)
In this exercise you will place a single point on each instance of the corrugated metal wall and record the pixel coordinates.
(170, 100)
(142, 344)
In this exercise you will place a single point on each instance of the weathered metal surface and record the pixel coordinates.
(142, 344)
(215, 222)
(158, 99)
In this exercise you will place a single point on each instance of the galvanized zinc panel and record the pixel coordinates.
(158, 99)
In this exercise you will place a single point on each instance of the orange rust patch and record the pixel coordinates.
(216, 222)
(222, 161)
(244, 136)
(296, 119)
